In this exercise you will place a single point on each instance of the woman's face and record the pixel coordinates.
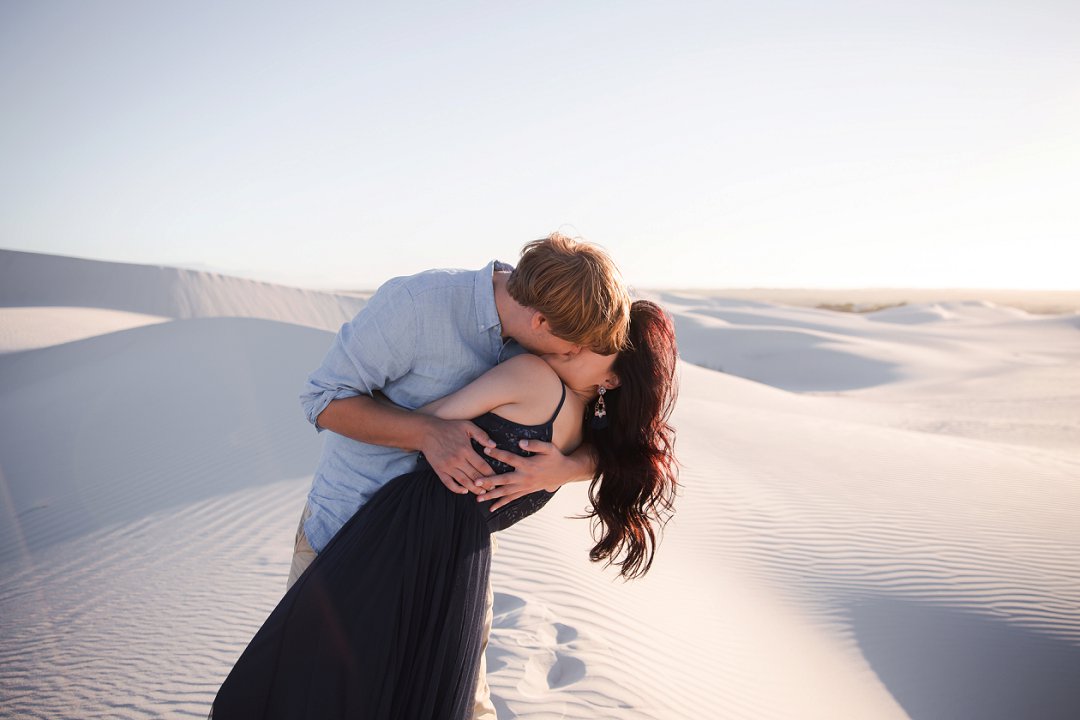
(584, 370)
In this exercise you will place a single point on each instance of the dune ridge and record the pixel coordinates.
(162, 291)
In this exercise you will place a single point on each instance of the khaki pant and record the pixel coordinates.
(483, 708)
(303, 554)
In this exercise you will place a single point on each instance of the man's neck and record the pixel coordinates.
(508, 310)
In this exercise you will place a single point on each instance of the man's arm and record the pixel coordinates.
(375, 348)
(445, 443)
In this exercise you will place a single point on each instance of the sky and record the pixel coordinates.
(704, 144)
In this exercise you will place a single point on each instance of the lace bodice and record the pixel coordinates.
(506, 435)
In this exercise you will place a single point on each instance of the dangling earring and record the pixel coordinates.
(599, 418)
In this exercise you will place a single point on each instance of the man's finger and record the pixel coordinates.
(480, 467)
(451, 484)
(480, 436)
(463, 472)
(466, 476)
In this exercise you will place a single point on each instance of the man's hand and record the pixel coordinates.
(547, 470)
(448, 450)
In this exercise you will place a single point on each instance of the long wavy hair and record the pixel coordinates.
(636, 480)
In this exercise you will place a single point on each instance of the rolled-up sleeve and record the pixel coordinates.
(374, 348)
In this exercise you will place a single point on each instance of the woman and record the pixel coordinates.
(387, 622)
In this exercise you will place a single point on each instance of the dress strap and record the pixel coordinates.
(559, 406)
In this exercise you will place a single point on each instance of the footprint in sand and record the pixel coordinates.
(566, 670)
(564, 633)
(504, 608)
(527, 642)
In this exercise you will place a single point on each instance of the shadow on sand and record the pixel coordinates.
(944, 663)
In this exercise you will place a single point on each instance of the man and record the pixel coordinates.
(423, 337)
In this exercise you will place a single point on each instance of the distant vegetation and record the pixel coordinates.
(858, 307)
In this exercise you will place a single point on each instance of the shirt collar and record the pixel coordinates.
(484, 296)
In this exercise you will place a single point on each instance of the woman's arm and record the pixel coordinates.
(522, 388)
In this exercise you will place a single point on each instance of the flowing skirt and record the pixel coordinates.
(386, 623)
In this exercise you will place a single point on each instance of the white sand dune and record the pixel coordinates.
(879, 515)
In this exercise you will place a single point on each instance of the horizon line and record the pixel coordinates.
(239, 274)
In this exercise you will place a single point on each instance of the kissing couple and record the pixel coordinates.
(458, 402)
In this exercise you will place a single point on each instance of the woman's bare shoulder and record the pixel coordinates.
(536, 389)
(529, 366)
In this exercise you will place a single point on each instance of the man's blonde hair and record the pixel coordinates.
(578, 289)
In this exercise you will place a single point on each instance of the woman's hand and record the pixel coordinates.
(548, 469)
(450, 453)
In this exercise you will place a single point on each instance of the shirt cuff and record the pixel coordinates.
(315, 403)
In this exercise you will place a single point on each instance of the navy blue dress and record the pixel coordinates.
(387, 622)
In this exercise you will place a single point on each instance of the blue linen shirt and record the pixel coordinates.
(419, 338)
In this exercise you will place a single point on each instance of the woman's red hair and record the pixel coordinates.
(633, 491)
